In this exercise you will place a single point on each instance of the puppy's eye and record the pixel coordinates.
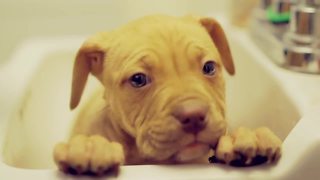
(139, 80)
(209, 68)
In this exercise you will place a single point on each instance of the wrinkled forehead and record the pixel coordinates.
(145, 43)
(173, 36)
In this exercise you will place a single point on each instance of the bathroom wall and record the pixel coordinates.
(23, 19)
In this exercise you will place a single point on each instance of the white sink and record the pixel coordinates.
(34, 114)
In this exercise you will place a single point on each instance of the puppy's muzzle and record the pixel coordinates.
(192, 114)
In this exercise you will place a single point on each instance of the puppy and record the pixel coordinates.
(162, 101)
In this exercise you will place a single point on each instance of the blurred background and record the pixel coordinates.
(23, 19)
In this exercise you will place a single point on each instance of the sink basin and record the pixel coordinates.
(35, 115)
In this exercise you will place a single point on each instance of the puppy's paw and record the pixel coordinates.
(88, 155)
(269, 145)
(246, 147)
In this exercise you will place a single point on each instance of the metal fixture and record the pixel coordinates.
(294, 45)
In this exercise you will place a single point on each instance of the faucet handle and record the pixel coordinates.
(305, 23)
(302, 41)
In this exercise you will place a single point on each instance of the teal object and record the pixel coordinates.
(275, 17)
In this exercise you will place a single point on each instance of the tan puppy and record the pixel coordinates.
(163, 99)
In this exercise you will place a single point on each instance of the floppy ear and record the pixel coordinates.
(89, 58)
(219, 38)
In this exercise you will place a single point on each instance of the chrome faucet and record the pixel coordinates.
(288, 31)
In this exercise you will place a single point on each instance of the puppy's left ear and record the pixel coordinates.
(219, 38)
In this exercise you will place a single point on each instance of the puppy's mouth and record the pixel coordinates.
(192, 151)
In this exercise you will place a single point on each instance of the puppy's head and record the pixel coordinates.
(163, 82)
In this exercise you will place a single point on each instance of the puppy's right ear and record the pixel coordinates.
(89, 59)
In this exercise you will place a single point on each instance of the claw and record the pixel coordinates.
(247, 148)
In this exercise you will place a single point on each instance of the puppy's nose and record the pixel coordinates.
(192, 115)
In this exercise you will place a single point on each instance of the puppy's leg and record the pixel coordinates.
(248, 147)
(88, 154)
